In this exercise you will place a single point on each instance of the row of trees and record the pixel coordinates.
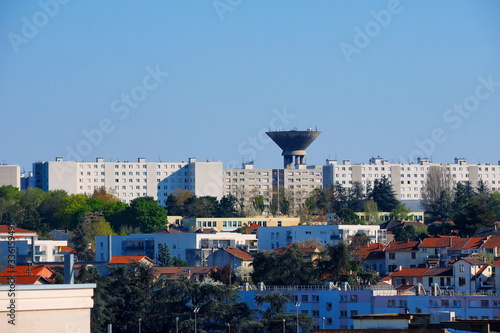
(468, 206)
(335, 263)
(86, 216)
(130, 292)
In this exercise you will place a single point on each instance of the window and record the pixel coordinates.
(413, 255)
(343, 313)
(329, 306)
(304, 298)
(485, 303)
(354, 313)
(391, 303)
(315, 313)
(445, 303)
(354, 298)
(315, 298)
(461, 268)
(457, 303)
(461, 281)
(392, 255)
(403, 303)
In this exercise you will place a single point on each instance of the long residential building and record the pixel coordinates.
(192, 247)
(129, 180)
(10, 175)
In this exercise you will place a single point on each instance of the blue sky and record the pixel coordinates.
(178, 79)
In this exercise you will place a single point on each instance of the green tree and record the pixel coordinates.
(258, 204)
(147, 214)
(383, 194)
(437, 194)
(462, 195)
(371, 212)
(407, 233)
(333, 262)
(347, 216)
(227, 206)
(401, 212)
(286, 267)
(474, 216)
(356, 197)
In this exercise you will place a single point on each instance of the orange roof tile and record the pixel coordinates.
(371, 252)
(5, 229)
(473, 261)
(492, 241)
(39, 270)
(410, 272)
(66, 249)
(128, 259)
(405, 246)
(24, 279)
(239, 253)
(438, 242)
(474, 243)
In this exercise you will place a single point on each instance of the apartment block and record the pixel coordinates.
(130, 180)
(10, 175)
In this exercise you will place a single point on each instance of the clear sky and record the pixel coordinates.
(168, 80)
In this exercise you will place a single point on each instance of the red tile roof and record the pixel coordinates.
(24, 279)
(373, 251)
(438, 242)
(410, 272)
(406, 246)
(66, 249)
(437, 271)
(473, 261)
(496, 263)
(474, 243)
(492, 241)
(238, 253)
(128, 259)
(39, 270)
(4, 229)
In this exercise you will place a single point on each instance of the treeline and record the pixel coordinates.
(185, 204)
(98, 214)
(130, 292)
(334, 263)
(345, 202)
(459, 207)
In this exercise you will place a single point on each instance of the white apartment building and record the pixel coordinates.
(408, 179)
(192, 247)
(10, 175)
(271, 238)
(130, 180)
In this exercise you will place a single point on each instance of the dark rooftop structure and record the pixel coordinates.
(294, 144)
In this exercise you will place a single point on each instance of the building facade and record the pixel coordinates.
(275, 237)
(130, 180)
(192, 247)
(10, 175)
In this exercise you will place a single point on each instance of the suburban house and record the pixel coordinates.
(230, 256)
(401, 254)
(373, 257)
(191, 273)
(472, 274)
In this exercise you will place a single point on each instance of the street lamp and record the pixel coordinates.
(284, 325)
(140, 319)
(297, 305)
(228, 328)
(196, 310)
(176, 324)
(323, 322)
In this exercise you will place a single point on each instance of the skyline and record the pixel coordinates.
(169, 81)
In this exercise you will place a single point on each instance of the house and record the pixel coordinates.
(401, 254)
(230, 256)
(491, 246)
(29, 274)
(472, 274)
(191, 273)
(308, 253)
(373, 257)
(18, 233)
(120, 260)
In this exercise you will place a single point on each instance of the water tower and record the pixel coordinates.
(294, 144)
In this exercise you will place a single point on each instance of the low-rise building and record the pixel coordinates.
(271, 238)
(233, 223)
(192, 247)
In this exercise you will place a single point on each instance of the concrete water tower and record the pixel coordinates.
(294, 144)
